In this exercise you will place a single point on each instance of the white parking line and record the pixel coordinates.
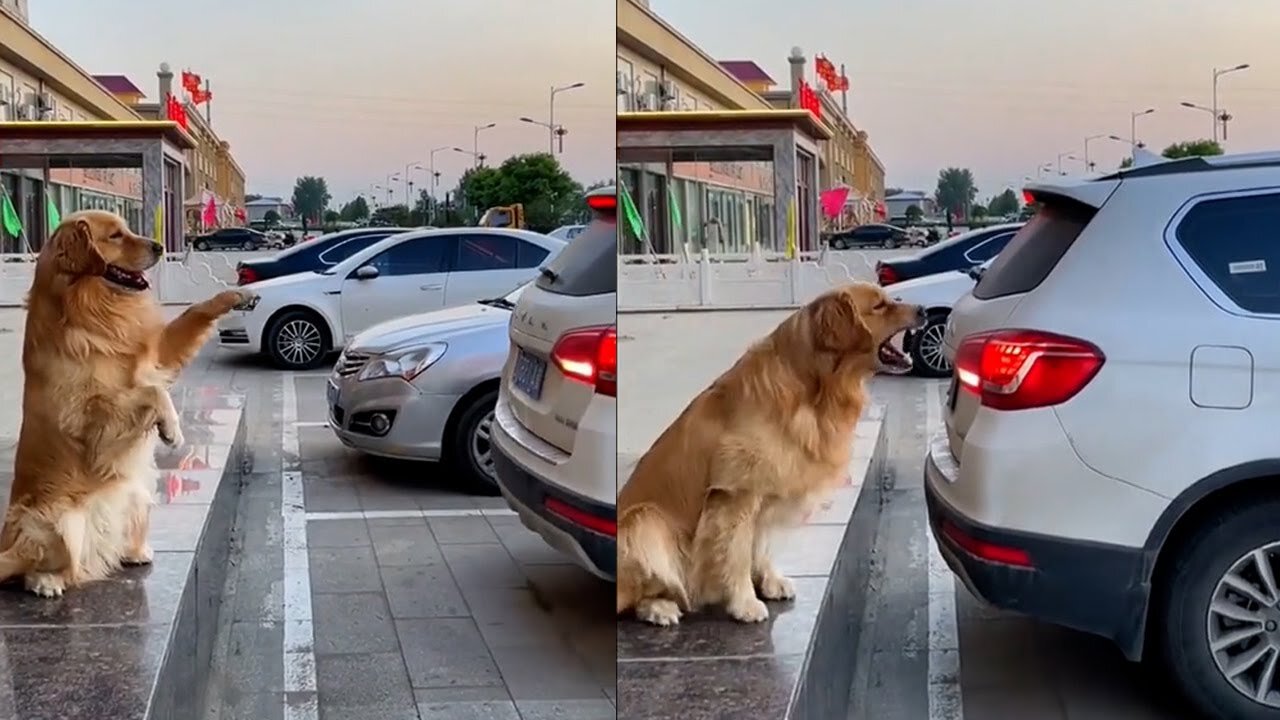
(945, 700)
(300, 699)
(396, 514)
(311, 423)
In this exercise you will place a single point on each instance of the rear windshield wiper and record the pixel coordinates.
(549, 274)
(977, 272)
(498, 302)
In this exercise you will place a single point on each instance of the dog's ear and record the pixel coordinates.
(838, 326)
(75, 250)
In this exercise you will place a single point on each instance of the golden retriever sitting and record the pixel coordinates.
(98, 359)
(756, 450)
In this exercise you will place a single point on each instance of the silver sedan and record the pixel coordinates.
(423, 387)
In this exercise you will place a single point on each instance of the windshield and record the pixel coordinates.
(961, 238)
(308, 245)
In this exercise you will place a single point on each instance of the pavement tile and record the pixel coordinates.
(422, 591)
(446, 652)
(353, 623)
(255, 650)
(375, 684)
(469, 710)
(566, 710)
(397, 545)
(526, 546)
(337, 533)
(483, 566)
(513, 617)
(462, 530)
(343, 570)
(545, 673)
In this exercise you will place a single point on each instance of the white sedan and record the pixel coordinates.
(937, 294)
(299, 320)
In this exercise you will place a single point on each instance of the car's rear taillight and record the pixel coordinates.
(1024, 369)
(590, 355)
(886, 275)
(245, 275)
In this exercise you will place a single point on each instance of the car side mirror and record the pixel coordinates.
(367, 272)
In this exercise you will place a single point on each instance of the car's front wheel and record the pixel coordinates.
(890, 244)
(839, 244)
(298, 340)
(249, 245)
(1217, 620)
(471, 444)
(927, 357)
(201, 245)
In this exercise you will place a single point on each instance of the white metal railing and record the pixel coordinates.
(178, 279)
(725, 281)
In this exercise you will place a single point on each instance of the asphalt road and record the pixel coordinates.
(1009, 667)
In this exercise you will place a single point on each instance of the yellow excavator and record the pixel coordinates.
(506, 216)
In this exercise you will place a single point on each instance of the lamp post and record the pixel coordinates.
(1042, 169)
(408, 181)
(1089, 164)
(1133, 125)
(550, 124)
(475, 142)
(1213, 114)
(550, 128)
(435, 180)
(1066, 155)
(1222, 117)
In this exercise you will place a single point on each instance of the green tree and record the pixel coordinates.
(1126, 163)
(1192, 148)
(355, 210)
(1006, 203)
(271, 217)
(977, 211)
(914, 214)
(549, 194)
(310, 198)
(331, 217)
(391, 216)
(956, 190)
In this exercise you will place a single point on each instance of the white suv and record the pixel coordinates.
(555, 438)
(1111, 461)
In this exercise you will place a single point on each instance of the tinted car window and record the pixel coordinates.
(987, 249)
(418, 256)
(529, 255)
(1233, 242)
(485, 252)
(1035, 250)
(587, 266)
(869, 231)
(346, 248)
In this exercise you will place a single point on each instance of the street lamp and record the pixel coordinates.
(1089, 164)
(1041, 170)
(1066, 155)
(408, 181)
(435, 180)
(475, 141)
(1133, 125)
(551, 128)
(1222, 117)
(551, 113)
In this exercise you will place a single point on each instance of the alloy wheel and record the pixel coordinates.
(1244, 625)
(482, 446)
(930, 347)
(299, 342)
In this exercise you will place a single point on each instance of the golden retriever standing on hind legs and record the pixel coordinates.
(757, 450)
(98, 360)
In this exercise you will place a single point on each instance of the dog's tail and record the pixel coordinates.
(650, 559)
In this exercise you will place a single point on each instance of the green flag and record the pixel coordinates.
(12, 224)
(675, 209)
(51, 211)
(633, 216)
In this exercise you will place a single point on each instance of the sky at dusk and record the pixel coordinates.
(356, 91)
(1002, 86)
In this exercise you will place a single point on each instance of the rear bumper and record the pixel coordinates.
(1092, 587)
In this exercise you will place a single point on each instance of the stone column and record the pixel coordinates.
(165, 76)
(784, 188)
(797, 62)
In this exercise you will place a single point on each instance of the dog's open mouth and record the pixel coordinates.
(892, 359)
(128, 279)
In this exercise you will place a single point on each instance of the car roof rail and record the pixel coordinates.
(1200, 164)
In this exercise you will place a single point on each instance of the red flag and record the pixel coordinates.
(201, 96)
(210, 215)
(833, 201)
(191, 82)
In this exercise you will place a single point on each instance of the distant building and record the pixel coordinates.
(897, 204)
(259, 208)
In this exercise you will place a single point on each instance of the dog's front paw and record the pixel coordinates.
(748, 610)
(236, 299)
(658, 612)
(777, 587)
(45, 584)
(170, 434)
(139, 556)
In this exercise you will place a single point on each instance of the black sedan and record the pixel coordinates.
(234, 238)
(875, 235)
(961, 252)
(311, 255)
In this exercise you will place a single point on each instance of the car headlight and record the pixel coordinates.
(407, 364)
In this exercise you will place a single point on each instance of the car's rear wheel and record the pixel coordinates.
(839, 244)
(890, 244)
(298, 340)
(471, 444)
(1217, 621)
(202, 245)
(927, 357)
(249, 245)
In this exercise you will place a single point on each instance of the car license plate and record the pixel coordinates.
(331, 395)
(528, 374)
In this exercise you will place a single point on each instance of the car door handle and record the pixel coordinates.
(431, 287)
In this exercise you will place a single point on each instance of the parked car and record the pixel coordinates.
(300, 319)
(937, 294)
(231, 239)
(965, 250)
(567, 232)
(322, 253)
(1106, 463)
(555, 444)
(877, 235)
(423, 387)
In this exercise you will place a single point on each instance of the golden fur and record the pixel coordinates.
(758, 449)
(98, 360)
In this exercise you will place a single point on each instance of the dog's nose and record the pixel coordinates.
(157, 249)
(920, 312)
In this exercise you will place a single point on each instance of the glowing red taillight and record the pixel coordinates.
(245, 275)
(589, 355)
(582, 518)
(886, 275)
(984, 550)
(1024, 369)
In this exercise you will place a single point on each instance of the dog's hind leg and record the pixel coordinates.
(722, 553)
(137, 549)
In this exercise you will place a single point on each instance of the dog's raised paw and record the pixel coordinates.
(141, 556)
(751, 610)
(170, 435)
(663, 613)
(45, 585)
(777, 587)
